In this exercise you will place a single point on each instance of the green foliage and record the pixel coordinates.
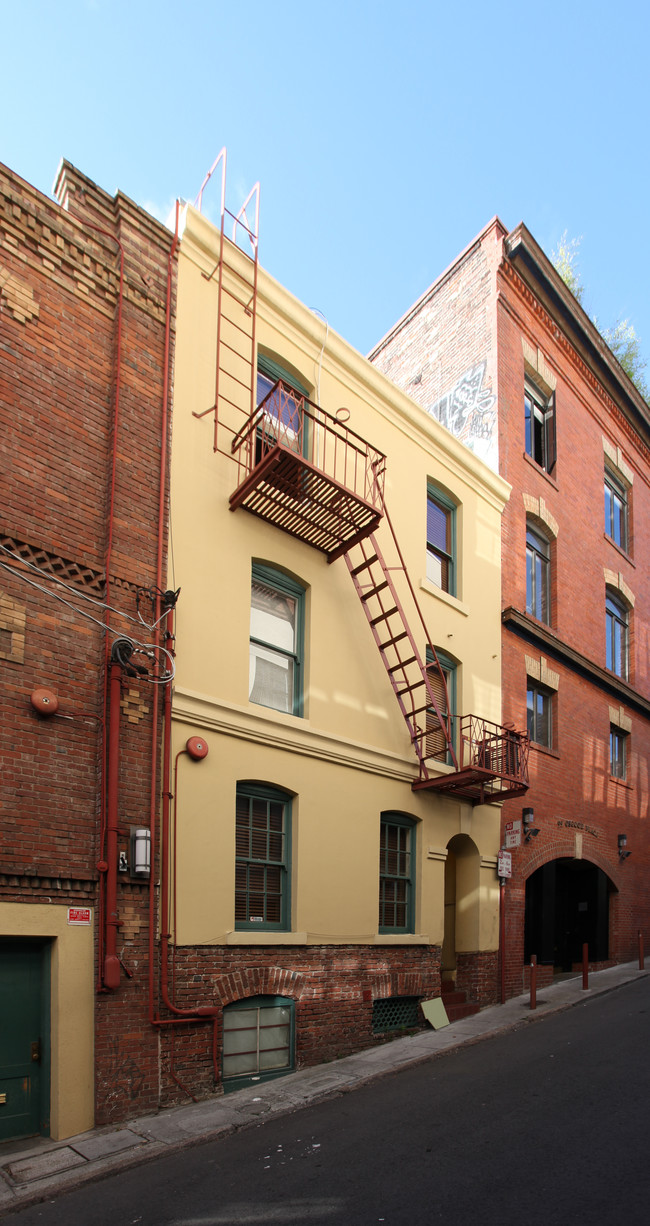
(565, 261)
(624, 344)
(622, 338)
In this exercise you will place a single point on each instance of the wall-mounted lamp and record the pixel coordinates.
(622, 845)
(530, 831)
(141, 851)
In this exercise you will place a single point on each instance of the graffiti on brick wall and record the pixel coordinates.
(468, 410)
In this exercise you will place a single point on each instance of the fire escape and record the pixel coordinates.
(306, 472)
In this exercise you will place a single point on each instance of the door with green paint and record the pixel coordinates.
(24, 1038)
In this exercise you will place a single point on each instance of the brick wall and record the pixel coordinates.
(333, 987)
(481, 309)
(60, 310)
(579, 809)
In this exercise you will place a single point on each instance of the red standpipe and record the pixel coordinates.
(502, 937)
(111, 975)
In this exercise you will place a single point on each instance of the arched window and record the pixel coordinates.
(617, 634)
(281, 411)
(258, 1040)
(538, 575)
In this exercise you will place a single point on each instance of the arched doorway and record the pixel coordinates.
(567, 905)
(461, 902)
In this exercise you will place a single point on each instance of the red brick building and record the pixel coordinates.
(500, 351)
(86, 335)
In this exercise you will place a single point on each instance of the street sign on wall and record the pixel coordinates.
(504, 864)
(512, 833)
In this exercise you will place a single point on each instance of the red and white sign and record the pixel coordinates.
(79, 915)
(504, 864)
(512, 833)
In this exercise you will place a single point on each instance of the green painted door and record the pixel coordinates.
(24, 1038)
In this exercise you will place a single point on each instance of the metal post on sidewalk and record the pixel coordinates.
(585, 966)
(533, 981)
(641, 962)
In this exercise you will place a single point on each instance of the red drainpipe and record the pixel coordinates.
(111, 973)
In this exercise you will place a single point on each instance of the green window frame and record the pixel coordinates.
(618, 752)
(616, 635)
(276, 645)
(441, 540)
(259, 1040)
(436, 744)
(539, 418)
(539, 703)
(397, 842)
(538, 576)
(282, 414)
(262, 859)
(616, 511)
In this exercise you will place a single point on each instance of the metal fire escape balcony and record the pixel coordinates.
(308, 473)
(492, 762)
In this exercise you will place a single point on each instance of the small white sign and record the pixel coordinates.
(512, 833)
(79, 915)
(504, 864)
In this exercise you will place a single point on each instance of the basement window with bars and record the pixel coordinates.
(395, 1013)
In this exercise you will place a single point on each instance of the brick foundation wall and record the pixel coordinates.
(333, 986)
(477, 976)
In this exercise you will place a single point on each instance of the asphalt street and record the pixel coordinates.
(544, 1124)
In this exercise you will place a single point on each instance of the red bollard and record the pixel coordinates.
(641, 963)
(533, 981)
(585, 966)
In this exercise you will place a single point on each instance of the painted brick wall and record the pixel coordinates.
(443, 351)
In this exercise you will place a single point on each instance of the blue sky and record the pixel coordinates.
(384, 135)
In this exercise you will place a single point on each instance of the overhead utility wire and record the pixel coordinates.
(145, 648)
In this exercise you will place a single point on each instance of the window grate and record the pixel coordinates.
(395, 1013)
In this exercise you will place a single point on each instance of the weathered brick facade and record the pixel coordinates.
(81, 357)
(525, 323)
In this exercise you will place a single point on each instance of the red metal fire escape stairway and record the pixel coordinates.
(493, 762)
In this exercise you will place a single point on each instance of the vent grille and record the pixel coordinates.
(395, 1013)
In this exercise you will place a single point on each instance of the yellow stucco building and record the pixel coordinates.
(311, 894)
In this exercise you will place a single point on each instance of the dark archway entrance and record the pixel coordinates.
(567, 904)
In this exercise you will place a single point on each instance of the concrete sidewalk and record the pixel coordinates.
(35, 1170)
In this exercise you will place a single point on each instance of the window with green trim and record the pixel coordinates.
(276, 640)
(263, 852)
(281, 411)
(436, 741)
(396, 873)
(258, 1040)
(441, 541)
